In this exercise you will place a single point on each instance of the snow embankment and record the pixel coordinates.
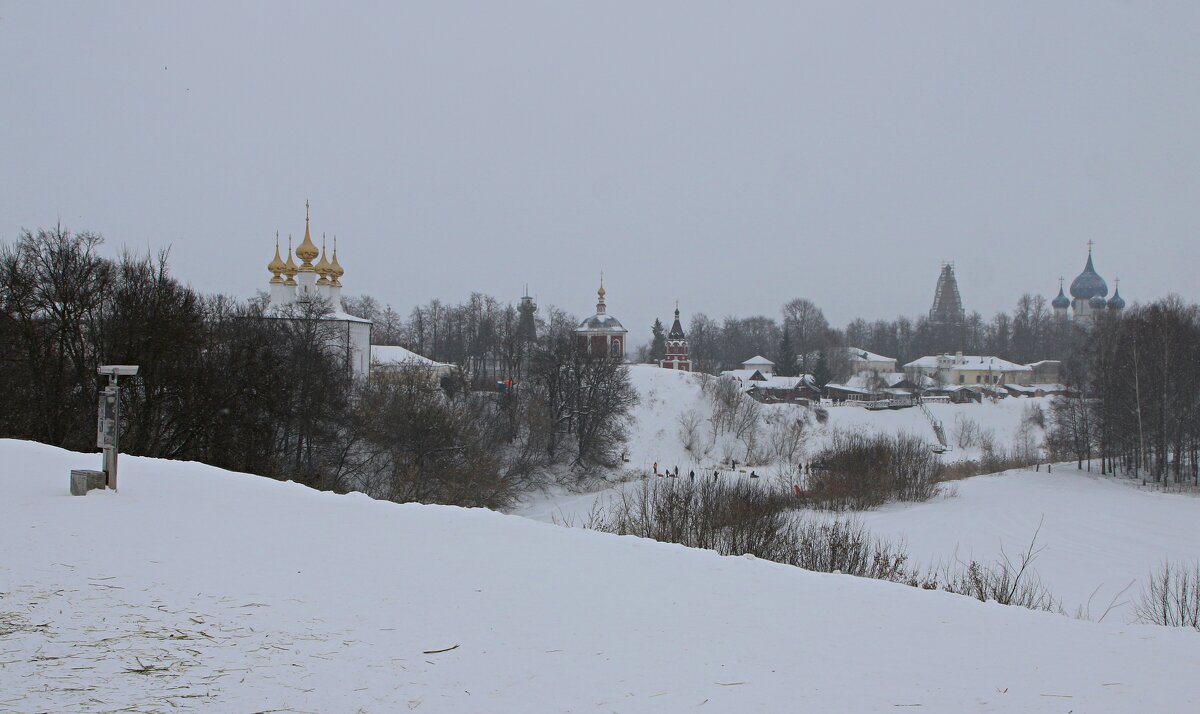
(670, 397)
(195, 588)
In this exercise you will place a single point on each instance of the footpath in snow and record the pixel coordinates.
(195, 588)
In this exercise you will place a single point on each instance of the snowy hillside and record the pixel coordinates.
(1099, 536)
(195, 588)
(667, 397)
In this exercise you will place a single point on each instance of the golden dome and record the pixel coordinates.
(307, 250)
(323, 268)
(600, 292)
(276, 266)
(337, 270)
(290, 266)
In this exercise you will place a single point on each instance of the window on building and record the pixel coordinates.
(961, 379)
(977, 379)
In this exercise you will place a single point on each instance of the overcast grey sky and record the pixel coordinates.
(730, 155)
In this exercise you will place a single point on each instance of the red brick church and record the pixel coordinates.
(602, 335)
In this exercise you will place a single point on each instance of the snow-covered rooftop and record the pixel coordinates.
(743, 375)
(857, 354)
(776, 382)
(601, 322)
(397, 355)
(981, 363)
(888, 380)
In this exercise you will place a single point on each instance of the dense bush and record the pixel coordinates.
(857, 470)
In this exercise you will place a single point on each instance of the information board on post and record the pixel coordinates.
(106, 423)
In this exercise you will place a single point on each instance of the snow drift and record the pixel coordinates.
(196, 588)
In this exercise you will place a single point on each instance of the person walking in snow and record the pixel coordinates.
(655, 468)
(692, 475)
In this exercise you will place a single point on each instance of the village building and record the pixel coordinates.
(297, 288)
(1047, 371)
(864, 361)
(759, 363)
(602, 335)
(963, 370)
(677, 356)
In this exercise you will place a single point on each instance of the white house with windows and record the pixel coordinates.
(964, 370)
(864, 361)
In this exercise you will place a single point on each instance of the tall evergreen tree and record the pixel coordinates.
(658, 345)
(788, 365)
(822, 373)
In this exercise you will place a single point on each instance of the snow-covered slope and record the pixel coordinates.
(667, 396)
(1098, 534)
(195, 588)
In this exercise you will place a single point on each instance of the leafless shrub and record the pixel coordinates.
(821, 414)
(737, 517)
(786, 437)
(1172, 596)
(726, 395)
(689, 430)
(966, 431)
(859, 471)
(1034, 415)
(730, 517)
(1025, 444)
(843, 545)
(1004, 581)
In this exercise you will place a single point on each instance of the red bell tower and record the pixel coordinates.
(677, 347)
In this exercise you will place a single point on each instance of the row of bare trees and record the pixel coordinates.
(1136, 403)
(230, 384)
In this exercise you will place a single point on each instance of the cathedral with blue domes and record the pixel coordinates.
(1089, 296)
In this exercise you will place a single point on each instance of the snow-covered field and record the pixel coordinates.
(195, 588)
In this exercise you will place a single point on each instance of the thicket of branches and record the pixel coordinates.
(1136, 401)
(225, 383)
(1172, 596)
(857, 471)
(739, 517)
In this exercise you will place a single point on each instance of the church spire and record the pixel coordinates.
(307, 250)
(600, 308)
(676, 327)
(276, 266)
(323, 267)
(290, 266)
(336, 269)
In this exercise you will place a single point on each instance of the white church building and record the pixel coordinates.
(291, 284)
